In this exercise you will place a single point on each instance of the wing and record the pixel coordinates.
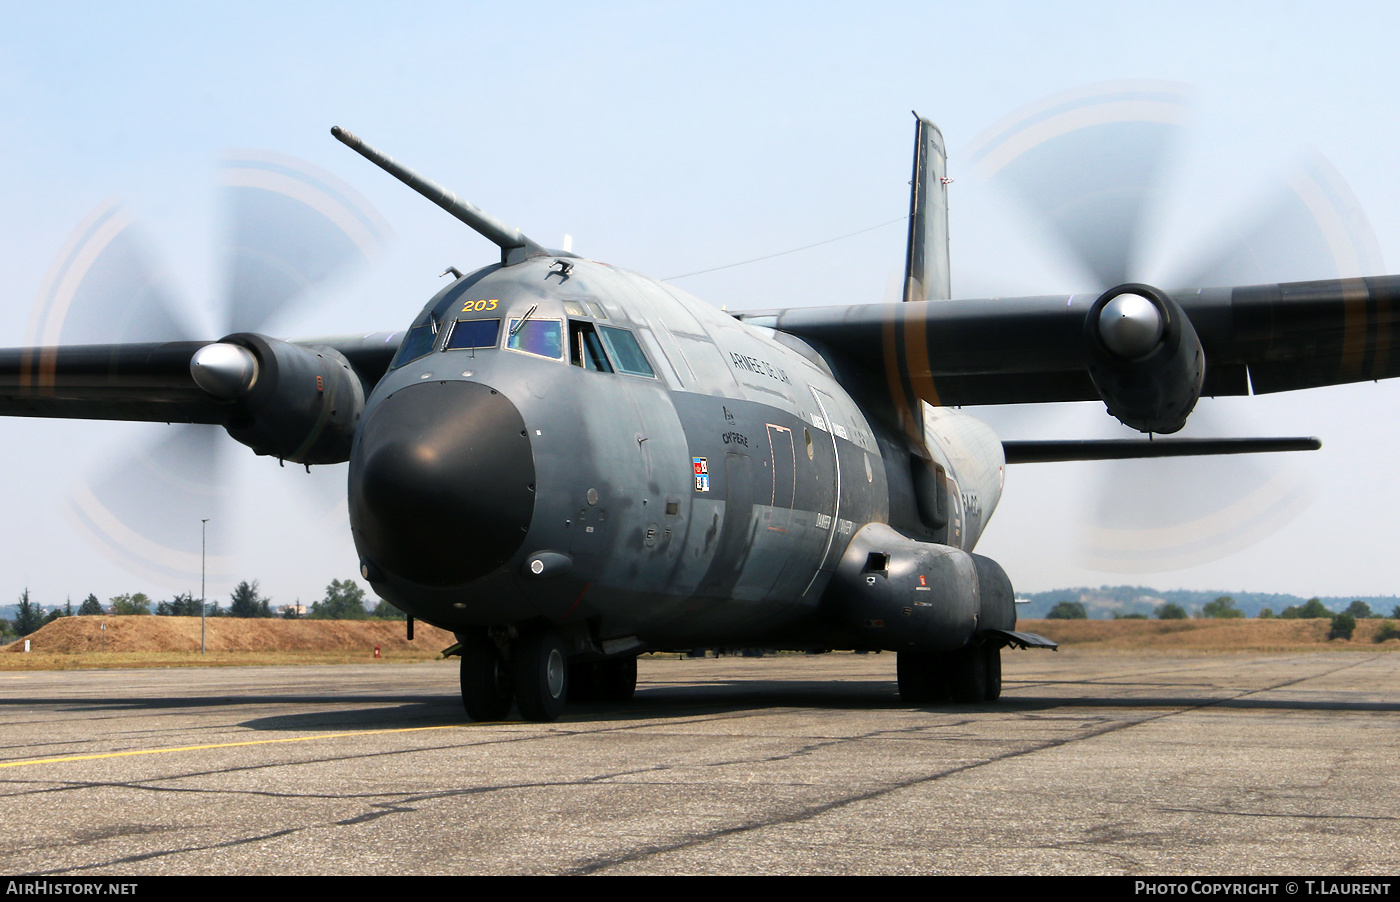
(1254, 339)
(153, 382)
(148, 382)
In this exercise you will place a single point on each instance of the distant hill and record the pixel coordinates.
(1103, 601)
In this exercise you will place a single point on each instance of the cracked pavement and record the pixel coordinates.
(1098, 763)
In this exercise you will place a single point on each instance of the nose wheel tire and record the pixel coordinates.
(486, 685)
(540, 671)
(613, 680)
(617, 679)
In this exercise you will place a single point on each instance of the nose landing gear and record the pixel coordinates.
(533, 672)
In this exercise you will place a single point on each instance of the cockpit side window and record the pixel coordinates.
(416, 343)
(625, 353)
(585, 349)
(474, 333)
(543, 337)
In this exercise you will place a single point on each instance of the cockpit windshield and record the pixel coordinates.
(474, 333)
(416, 343)
(536, 336)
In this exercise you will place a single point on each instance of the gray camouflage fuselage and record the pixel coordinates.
(712, 503)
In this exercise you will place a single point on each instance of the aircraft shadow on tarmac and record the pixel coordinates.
(749, 696)
(395, 710)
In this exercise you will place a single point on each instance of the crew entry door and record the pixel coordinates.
(829, 510)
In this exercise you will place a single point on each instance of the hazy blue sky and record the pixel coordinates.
(667, 138)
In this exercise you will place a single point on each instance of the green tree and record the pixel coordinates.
(1312, 609)
(129, 605)
(386, 611)
(1343, 625)
(1119, 615)
(344, 600)
(1068, 610)
(90, 606)
(1223, 608)
(182, 605)
(1266, 613)
(29, 617)
(246, 602)
(1170, 611)
(1360, 610)
(1387, 630)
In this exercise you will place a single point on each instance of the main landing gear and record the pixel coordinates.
(534, 672)
(970, 675)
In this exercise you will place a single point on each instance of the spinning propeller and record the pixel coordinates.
(290, 229)
(1095, 168)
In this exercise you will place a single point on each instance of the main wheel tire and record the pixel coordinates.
(993, 653)
(616, 679)
(921, 678)
(486, 685)
(967, 675)
(540, 670)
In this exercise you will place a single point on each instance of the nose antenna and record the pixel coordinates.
(514, 245)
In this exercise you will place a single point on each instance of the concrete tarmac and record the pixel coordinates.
(1092, 763)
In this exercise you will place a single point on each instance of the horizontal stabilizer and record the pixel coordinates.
(1019, 640)
(1131, 449)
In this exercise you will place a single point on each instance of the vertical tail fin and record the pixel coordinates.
(926, 272)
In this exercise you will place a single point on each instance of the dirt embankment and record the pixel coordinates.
(80, 635)
(138, 641)
(1208, 635)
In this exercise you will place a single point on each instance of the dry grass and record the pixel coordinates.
(1208, 635)
(81, 642)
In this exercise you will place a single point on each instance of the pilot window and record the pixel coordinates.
(536, 336)
(625, 353)
(474, 333)
(416, 343)
(585, 349)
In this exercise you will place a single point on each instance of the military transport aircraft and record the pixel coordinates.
(568, 464)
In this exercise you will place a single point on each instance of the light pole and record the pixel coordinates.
(203, 526)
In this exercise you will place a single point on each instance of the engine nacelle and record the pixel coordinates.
(289, 401)
(1145, 359)
(895, 593)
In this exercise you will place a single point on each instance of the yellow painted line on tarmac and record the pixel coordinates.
(229, 745)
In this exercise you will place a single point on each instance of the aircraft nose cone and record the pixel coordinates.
(442, 483)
